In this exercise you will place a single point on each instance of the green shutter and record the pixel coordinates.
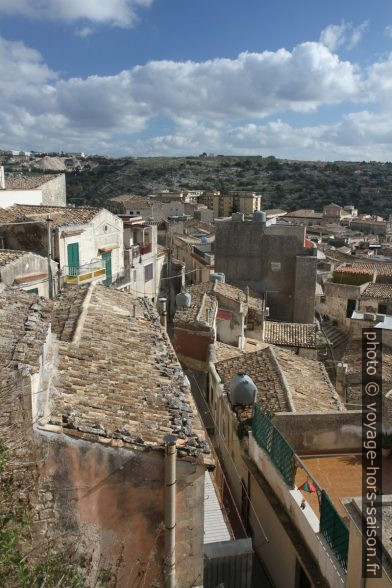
(73, 259)
(107, 258)
(32, 291)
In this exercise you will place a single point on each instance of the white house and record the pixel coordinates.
(26, 271)
(87, 243)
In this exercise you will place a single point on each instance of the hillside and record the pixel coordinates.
(284, 184)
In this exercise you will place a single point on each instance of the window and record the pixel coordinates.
(382, 308)
(148, 272)
(351, 305)
(323, 299)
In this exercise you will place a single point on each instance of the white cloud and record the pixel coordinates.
(206, 102)
(122, 13)
(345, 34)
(388, 31)
(84, 32)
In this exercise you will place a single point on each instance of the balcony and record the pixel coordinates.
(89, 272)
(138, 250)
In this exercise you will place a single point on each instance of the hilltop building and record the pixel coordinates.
(224, 205)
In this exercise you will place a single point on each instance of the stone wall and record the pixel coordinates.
(54, 191)
(315, 433)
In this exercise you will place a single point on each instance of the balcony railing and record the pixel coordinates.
(137, 250)
(95, 270)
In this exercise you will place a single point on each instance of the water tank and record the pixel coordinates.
(259, 216)
(204, 240)
(242, 390)
(217, 277)
(183, 300)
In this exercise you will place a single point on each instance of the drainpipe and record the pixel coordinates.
(50, 277)
(170, 515)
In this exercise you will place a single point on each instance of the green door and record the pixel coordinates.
(107, 258)
(32, 291)
(73, 259)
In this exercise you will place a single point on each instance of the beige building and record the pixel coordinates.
(225, 204)
(94, 402)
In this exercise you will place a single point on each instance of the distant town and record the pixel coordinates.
(182, 383)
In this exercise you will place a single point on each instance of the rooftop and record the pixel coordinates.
(24, 182)
(290, 334)
(378, 291)
(304, 213)
(8, 256)
(285, 381)
(99, 391)
(60, 215)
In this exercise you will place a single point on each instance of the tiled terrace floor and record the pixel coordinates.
(341, 477)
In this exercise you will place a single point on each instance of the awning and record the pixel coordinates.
(107, 248)
(34, 278)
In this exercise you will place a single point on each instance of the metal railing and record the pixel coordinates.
(334, 529)
(95, 270)
(272, 441)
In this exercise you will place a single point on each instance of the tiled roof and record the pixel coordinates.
(290, 334)
(378, 291)
(259, 365)
(60, 215)
(201, 300)
(23, 182)
(205, 296)
(304, 213)
(99, 389)
(309, 384)
(279, 374)
(235, 293)
(132, 199)
(9, 255)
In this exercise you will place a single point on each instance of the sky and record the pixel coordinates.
(299, 80)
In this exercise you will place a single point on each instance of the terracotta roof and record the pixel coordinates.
(132, 200)
(98, 391)
(60, 215)
(378, 291)
(24, 182)
(8, 256)
(235, 293)
(304, 213)
(283, 380)
(309, 384)
(290, 334)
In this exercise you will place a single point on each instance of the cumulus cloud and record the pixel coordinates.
(205, 102)
(345, 34)
(121, 13)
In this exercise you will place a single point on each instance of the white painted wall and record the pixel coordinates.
(10, 197)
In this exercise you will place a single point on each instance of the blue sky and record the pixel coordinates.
(155, 77)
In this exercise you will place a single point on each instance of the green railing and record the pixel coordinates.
(272, 441)
(334, 529)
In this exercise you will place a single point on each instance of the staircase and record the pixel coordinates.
(336, 338)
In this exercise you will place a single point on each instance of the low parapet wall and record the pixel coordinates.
(321, 432)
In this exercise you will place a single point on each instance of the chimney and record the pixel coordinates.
(2, 178)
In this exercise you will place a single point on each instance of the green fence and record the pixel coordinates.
(270, 439)
(334, 529)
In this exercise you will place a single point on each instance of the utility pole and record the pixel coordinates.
(50, 277)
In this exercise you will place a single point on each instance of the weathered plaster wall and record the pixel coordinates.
(265, 259)
(29, 265)
(112, 499)
(321, 432)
